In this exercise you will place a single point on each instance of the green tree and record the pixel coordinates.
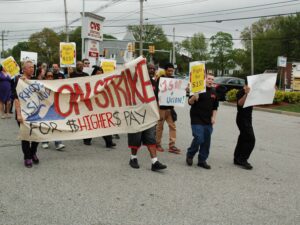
(240, 58)
(46, 44)
(271, 38)
(196, 46)
(153, 35)
(16, 50)
(221, 52)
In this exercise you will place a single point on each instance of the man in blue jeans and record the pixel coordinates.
(203, 115)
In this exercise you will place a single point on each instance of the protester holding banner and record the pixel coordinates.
(5, 93)
(203, 116)
(29, 148)
(79, 73)
(58, 144)
(56, 72)
(167, 114)
(246, 139)
(146, 137)
(108, 138)
(40, 74)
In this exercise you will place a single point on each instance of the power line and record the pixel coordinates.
(226, 10)
(215, 21)
(249, 10)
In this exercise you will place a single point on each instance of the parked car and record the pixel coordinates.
(225, 84)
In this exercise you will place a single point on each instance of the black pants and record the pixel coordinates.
(107, 139)
(246, 140)
(29, 149)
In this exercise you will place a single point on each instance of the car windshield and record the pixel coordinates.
(220, 80)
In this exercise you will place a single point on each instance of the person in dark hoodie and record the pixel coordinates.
(246, 139)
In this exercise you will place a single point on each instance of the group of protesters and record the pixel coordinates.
(203, 114)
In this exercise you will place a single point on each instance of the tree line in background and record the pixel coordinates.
(278, 36)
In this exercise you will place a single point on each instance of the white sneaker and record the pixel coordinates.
(45, 145)
(60, 146)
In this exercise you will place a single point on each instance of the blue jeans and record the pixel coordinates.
(201, 142)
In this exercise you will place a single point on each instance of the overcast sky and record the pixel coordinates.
(20, 18)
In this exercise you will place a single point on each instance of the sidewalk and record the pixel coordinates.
(266, 109)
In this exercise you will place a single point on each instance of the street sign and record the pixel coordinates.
(92, 27)
(281, 61)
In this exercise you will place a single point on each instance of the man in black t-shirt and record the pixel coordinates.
(203, 116)
(56, 73)
(79, 71)
(246, 140)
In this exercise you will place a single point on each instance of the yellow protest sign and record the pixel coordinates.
(197, 73)
(67, 54)
(108, 65)
(11, 66)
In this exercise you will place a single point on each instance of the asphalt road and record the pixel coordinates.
(88, 185)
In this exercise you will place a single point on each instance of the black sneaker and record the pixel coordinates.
(111, 145)
(244, 164)
(189, 161)
(134, 163)
(87, 142)
(158, 166)
(35, 159)
(204, 165)
(116, 136)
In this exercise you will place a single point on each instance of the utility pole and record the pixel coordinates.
(2, 41)
(66, 21)
(252, 51)
(82, 39)
(141, 27)
(174, 56)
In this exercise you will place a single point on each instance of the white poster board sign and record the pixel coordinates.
(262, 89)
(32, 56)
(172, 92)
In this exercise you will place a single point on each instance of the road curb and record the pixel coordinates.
(266, 110)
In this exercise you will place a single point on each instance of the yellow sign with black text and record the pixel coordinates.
(197, 73)
(11, 66)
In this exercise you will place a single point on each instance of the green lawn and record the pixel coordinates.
(290, 108)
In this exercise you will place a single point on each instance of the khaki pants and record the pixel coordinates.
(165, 115)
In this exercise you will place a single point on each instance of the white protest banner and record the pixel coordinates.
(86, 107)
(31, 56)
(172, 92)
(197, 77)
(262, 89)
(67, 54)
(108, 65)
(11, 66)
